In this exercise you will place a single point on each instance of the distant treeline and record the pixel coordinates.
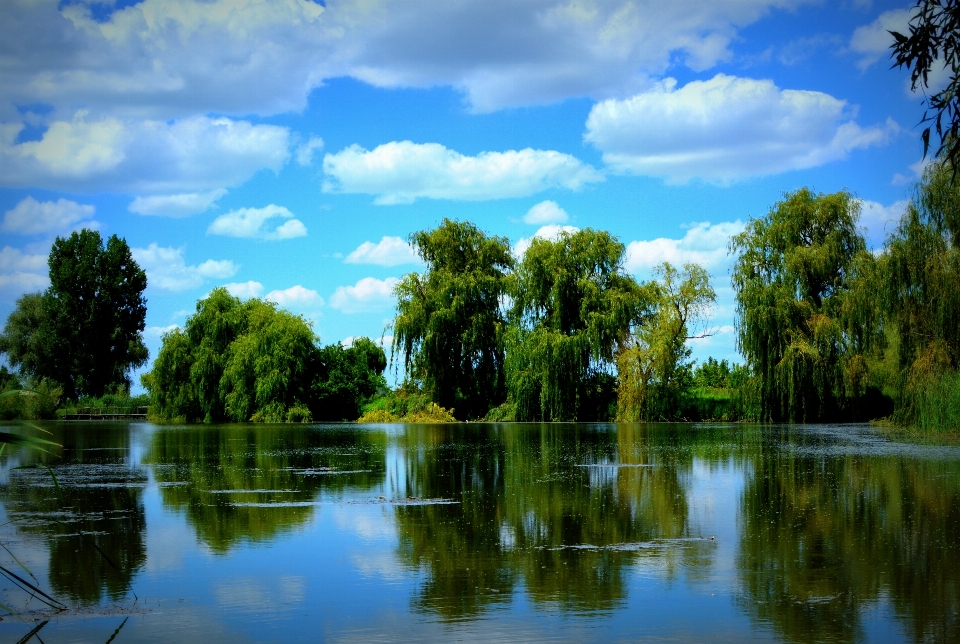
(829, 330)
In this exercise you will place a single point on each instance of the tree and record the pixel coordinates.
(933, 43)
(918, 279)
(84, 331)
(348, 378)
(654, 364)
(792, 277)
(572, 306)
(236, 361)
(449, 326)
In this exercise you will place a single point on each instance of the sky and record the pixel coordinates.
(286, 149)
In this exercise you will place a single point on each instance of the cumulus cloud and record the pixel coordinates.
(703, 243)
(163, 59)
(389, 251)
(32, 217)
(726, 129)
(192, 154)
(549, 232)
(546, 212)
(160, 331)
(258, 223)
(872, 42)
(167, 270)
(21, 271)
(402, 171)
(295, 297)
(306, 150)
(879, 220)
(367, 295)
(182, 205)
(244, 290)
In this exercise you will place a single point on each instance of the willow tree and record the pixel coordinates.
(791, 278)
(920, 285)
(654, 364)
(449, 325)
(572, 306)
(234, 360)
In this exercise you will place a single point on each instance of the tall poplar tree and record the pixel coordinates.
(85, 331)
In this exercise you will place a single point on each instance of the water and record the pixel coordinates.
(555, 532)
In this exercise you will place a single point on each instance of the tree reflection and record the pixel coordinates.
(826, 537)
(254, 482)
(101, 516)
(562, 509)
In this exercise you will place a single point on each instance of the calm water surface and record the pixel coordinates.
(566, 532)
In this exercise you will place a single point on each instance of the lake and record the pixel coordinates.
(484, 532)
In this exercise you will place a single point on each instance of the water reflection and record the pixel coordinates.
(564, 510)
(255, 482)
(826, 537)
(822, 534)
(101, 513)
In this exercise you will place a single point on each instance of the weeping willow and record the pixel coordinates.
(572, 306)
(919, 275)
(798, 326)
(449, 326)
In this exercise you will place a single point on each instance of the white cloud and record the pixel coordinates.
(258, 223)
(369, 294)
(402, 171)
(389, 251)
(505, 53)
(879, 220)
(726, 129)
(32, 217)
(167, 270)
(296, 296)
(549, 232)
(192, 154)
(181, 205)
(546, 212)
(872, 42)
(162, 59)
(305, 151)
(244, 290)
(21, 271)
(704, 243)
(160, 331)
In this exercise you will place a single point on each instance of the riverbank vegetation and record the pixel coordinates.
(829, 330)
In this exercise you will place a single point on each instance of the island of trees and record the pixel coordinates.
(829, 331)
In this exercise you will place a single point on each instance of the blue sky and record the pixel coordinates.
(286, 149)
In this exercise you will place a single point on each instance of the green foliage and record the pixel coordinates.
(713, 374)
(8, 380)
(36, 402)
(84, 331)
(572, 306)
(654, 364)
(918, 276)
(449, 326)
(405, 405)
(801, 333)
(932, 45)
(250, 360)
(268, 368)
(348, 378)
